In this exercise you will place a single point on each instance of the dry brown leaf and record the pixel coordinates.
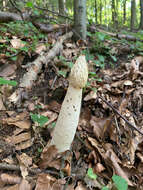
(48, 157)
(47, 182)
(2, 107)
(40, 48)
(117, 169)
(25, 162)
(15, 139)
(128, 83)
(140, 156)
(100, 125)
(24, 145)
(17, 43)
(99, 168)
(80, 186)
(20, 121)
(14, 187)
(10, 179)
(90, 96)
(24, 185)
(8, 70)
(8, 160)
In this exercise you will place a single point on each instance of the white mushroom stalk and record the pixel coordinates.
(67, 122)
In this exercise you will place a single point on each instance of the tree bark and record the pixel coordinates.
(100, 12)
(96, 16)
(141, 17)
(113, 11)
(61, 7)
(80, 19)
(124, 11)
(133, 14)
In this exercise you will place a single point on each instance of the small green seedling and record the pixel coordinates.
(105, 188)
(120, 182)
(91, 174)
(40, 119)
(9, 82)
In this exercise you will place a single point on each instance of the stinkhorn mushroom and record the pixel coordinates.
(67, 121)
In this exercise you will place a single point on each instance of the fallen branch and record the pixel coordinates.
(117, 112)
(7, 16)
(119, 36)
(13, 167)
(35, 67)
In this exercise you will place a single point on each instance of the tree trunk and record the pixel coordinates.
(61, 7)
(141, 17)
(133, 14)
(100, 12)
(124, 11)
(116, 14)
(96, 15)
(106, 21)
(113, 11)
(80, 19)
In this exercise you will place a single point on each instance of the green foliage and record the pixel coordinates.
(65, 62)
(30, 4)
(40, 150)
(120, 182)
(25, 30)
(91, 174)
(40, 119)
(62, 73)
(105, 188)
(53, 124)
(9, 82)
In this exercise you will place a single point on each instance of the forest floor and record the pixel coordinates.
(108, 141)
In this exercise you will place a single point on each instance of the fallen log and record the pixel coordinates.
(117, 35)
(7, 16)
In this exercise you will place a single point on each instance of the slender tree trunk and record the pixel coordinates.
(61, 7)
(124, 11)
(113, 11)
(141, 17)
(96, 15)
(100, 11)
(116, 14)
(80, 19)
(133, 14)
(106, 21)
(4, 2)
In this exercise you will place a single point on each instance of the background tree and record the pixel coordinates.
(96, 13)
(61, 4)
(141, 12)
(100, 6)
(113, 11)
(124, 11)
(80, 19)
(133, 14)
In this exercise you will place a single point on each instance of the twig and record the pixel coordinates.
(117, 112)
(14, 5)
(12, 167)
(53, 12)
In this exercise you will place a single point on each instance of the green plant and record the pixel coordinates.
(119, 182)
(9, 82)
(91, 174)
(40, 119)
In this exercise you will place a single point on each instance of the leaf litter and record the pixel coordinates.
(104, 141)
